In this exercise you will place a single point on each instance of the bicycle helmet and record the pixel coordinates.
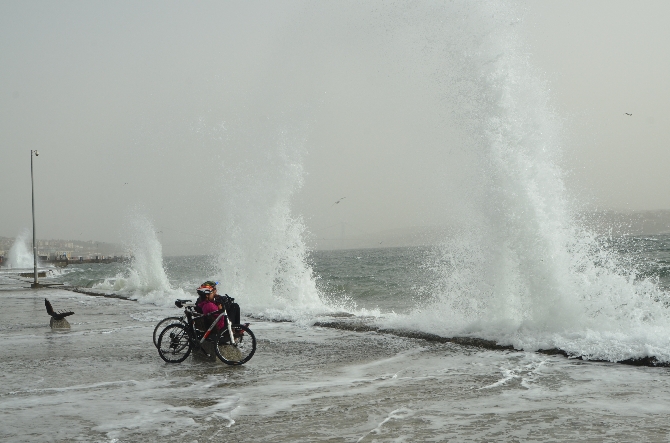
(206, 288)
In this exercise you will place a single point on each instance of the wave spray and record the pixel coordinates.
(20, 255)
(518, 268)
(145, 279)
(262, 249)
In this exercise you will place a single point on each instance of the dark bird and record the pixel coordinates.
(339, 201)
(627, 113)
(56, 315)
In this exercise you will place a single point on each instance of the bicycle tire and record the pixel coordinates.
(170, 320)
(242, 348)
(174, 343)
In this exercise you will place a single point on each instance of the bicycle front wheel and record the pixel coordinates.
(240, 350)
(174, 344)
(163, 323)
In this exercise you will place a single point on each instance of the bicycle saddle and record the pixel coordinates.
(180, 303)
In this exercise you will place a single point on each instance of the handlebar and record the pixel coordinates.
(190, 304)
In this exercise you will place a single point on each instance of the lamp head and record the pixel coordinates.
(37, 153)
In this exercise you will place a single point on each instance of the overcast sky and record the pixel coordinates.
(156, 106)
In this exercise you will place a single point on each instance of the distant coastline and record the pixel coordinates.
(600, 222)
(64, 252)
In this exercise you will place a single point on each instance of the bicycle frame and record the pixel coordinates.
(224, 314)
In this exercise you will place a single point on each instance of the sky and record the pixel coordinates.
(166, 108)
(603, 60)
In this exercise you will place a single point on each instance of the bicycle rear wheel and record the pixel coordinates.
(240, 350)
(161, 324)
(174, 344)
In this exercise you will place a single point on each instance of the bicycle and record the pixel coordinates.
(168, 320)
(177, 340)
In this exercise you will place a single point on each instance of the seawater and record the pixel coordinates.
(386, 287)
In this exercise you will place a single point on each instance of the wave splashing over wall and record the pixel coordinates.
(518, 268)
(20, 255)
(263, 258)
(145, 279)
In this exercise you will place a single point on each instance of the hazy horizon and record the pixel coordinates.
(601, 222)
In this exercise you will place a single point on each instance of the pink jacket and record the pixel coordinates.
(207, 307)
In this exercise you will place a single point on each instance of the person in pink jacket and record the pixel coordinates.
(207, 304)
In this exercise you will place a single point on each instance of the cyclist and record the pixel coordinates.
(210, 301)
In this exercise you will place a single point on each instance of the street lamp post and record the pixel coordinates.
(32, 184)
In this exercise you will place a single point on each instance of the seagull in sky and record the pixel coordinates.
(627, 114)
(338, 201)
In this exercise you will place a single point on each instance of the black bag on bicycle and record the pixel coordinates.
(232, 308)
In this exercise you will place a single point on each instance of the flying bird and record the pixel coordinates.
(338, 201)
(627, 113)
(60, 315)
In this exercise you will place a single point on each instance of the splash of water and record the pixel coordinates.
(145, 279)
(20, 255)
(519, 269)
(263, 252)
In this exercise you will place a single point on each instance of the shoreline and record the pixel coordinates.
(483, 343)
(358, 326)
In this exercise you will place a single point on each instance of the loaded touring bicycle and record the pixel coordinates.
(233, 344)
